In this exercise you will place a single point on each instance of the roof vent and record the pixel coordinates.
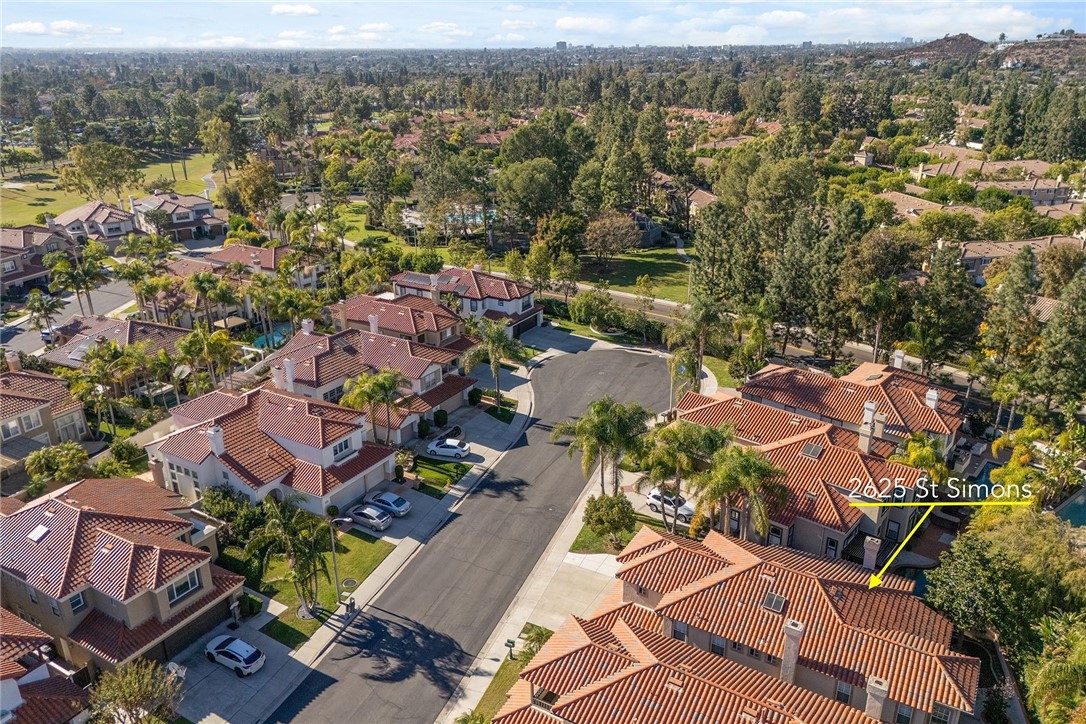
(794, 421)
(38, 533)
(811, 494)
(848, 389)
(737, 404)
(812, 450)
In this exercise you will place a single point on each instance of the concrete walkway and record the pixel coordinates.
(680, 247)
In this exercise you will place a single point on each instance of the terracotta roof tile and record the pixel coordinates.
(466, 283)
(407, 314)
(17, 639)
(245, 254)
(26, 390)
(86, 331)
(55, 700)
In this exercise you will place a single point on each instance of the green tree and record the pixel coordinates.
(701, 325)
(1061, 356)
(676, 453)
(95, 168)
(63, 463)
(47, 140)
(610, 517)
(515, 267)
(591, 434)
(217, 138)
(594, 307)
(742, 477)
(1005, 125)
(374, 392)
(526, 191)
(538, 267)
(566, 271)
(789, 288)
(1056, 680)
(609, 235)
(42, 309)
(1057, 266)
(288, 533)
(139, 692)
(940, 116)
(257, 186)
(495, 344)
(184, 125)
(945, 314)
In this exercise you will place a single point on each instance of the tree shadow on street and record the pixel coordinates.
(498, 486)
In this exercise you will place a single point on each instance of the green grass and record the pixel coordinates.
(719, 368)
(357, 215)
(506, 414)
(435, 475)
(668, 272)
(124, 429)
(588, 542)
(13, 314)
(40, 192)
(498, 690)
(357, 554)
(568, 325)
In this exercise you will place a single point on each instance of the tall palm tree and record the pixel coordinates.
(63, 276)
(42, 309)
(131, 364)
(136, 272)
(703, 321)
(372, 392)
(683, 370)
(161, 368)
(590, 434)
(675, 453)
(1056, 679)
(208, 349)
(494, 345)
(628, 429)
(743, 474)
(926, 453)
(201, 285)
(224, 294)
(283, 535)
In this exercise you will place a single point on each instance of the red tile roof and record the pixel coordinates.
(245, 254)
(900, 394)
(17, 639)
(407, 314)
(87, 331)
(451, 386)
(55, 700)
(27, 390)
(465, 283)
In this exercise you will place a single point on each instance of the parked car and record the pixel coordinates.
(676, 505)
(371, 517)
(449, 448)
(48, 334)
(390, 503)
(233, 653)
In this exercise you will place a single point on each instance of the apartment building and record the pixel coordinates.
(35, 687)
(112, 570)
(36, 410)
(975, 256)
(268, 442)
(476, 294)
(318, 366)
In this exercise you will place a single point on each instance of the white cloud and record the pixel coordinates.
(376, 27)
(221, 41)
(68, 27)
(337, 29)
(514, 8)
(294, 35)
(583, 24)
(285, 9)
(783, 17)
(517, 24)
(446, 29)
(735, 35)
(506, 38)
(28, 28)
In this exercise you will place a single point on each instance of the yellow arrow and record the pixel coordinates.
(876, 578)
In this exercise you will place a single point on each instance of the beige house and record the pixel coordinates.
(191, 217)
(114, 569)
(22, 256)
(263, 260)
(35, 686)
(477, 295)
(36, 411)
(97, 221)
(410, 317)
(977, 255)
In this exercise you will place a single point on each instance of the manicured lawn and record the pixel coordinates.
(438, 476)
(496, 693)
(588, 542)
(124, 430)
(567, 325)
(357, 554)
(39, 191)
(357, 215)
(719, 368)
(506, 414)
(667, 270)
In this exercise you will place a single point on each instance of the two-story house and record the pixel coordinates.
(824, 467)
(35, 687)
(191, 217)
(975, 256)
(262, 260)
(112, 570)
(318, 366)
(419, 319)
(96, 221)
(476, 294)
(268, 442)
(910, 401)
(36, 410)
(22, 256)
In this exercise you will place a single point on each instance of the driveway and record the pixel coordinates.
(213, 693)
(404, 656)
(405, 527)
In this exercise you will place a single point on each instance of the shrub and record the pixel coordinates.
(112, 468)
(332, 511)
(125, 451)
(234, 509)
(475, 396)
(424, 427)
(441, 418)
(609, 516)
(399, 473)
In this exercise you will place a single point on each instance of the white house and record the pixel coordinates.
(477, 295)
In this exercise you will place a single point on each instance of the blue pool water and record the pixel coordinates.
(918, 575)
(1074, 510)
(278, 335)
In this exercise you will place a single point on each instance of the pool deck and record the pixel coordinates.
(1073, 510)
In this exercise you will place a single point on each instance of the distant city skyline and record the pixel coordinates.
(357, 25)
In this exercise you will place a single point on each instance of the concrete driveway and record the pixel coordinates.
(405, 527)
(213, 693)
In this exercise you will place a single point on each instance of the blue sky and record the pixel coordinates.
(497, 24)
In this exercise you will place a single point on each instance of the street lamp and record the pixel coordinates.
(332, 534)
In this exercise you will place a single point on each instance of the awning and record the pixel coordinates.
(231, 322)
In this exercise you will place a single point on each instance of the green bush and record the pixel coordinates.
(424, 427)
(399, 473)
(441, 418)
(125, 451)
(332, 511)
(234, 509)
(475, 396)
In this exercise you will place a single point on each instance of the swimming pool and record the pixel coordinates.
(1074, 510)
(277, 337)
(916, 574)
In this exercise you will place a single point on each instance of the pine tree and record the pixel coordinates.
(1061, 364)
(1005, 126)
(829, 315)
(789, 288)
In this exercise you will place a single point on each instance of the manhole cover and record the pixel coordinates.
(350, 583)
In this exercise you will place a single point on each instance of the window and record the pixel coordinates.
(776, 535)
(678, 630)
(940, 714)
(736, 646)
(9, 265)
(184, 216)
(525, 304)
(844, 692)
(446, 333)
(733, 522)
(754, 653)
(51, 246)
(32, 593)
(717, 645)
(474, 306)
(831, 547)
(501, 303)
(904, 714)
(179, 589)
(893, 530)
(10, 429)
(431, 379)
(54, 606)
(113, 229)
(31, 420)
(78, 604)
(772, 660)
(773, 602)
(334, 394)
(341, 449)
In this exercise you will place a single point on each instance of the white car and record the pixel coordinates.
(390, 503)
(371, 517)
(236, 655)
(449, 448)
(676, 505)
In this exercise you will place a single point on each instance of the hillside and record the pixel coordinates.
(1054, 53)
(962, 45)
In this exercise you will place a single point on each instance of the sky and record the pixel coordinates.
(189, 24)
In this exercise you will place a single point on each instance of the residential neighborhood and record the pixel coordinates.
(549, 363)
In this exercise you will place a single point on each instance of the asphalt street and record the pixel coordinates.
(404, 656)
(104, 299)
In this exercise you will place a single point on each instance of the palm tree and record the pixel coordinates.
(42, 308)
(704, 320)
(743, 473)
(683, 370)
(926, 453)
(1056, 679)
(588, 435)
(372, 391)
(202, 284)
(472, 717)
(604, 434)
(675, 453)
(628, 428)
(224, 294)
(207, 349)
(494, 345)
(131, 364)
(283, 535)
(63, 276)
(162, 367)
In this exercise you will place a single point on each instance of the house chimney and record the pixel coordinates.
(254, 262)
(279, 378)
(793, 635)
(155, 465)
(877, 689)
(375, 324)
(288, 374)
(14, 363)
(307, 326)
(869, 412)
(864, 442)
(132, 203)
(214, 436)
(207, 193)
(435, 294)
(899, 359)
(932, 398)
(477, 267)
(49, 223)
(339, 315)
(880, 425)
(871, 552)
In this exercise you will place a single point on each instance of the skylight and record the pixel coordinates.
(38, 533)
(812, 450)
(773, 602)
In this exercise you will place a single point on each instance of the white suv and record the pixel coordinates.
(676, 505)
